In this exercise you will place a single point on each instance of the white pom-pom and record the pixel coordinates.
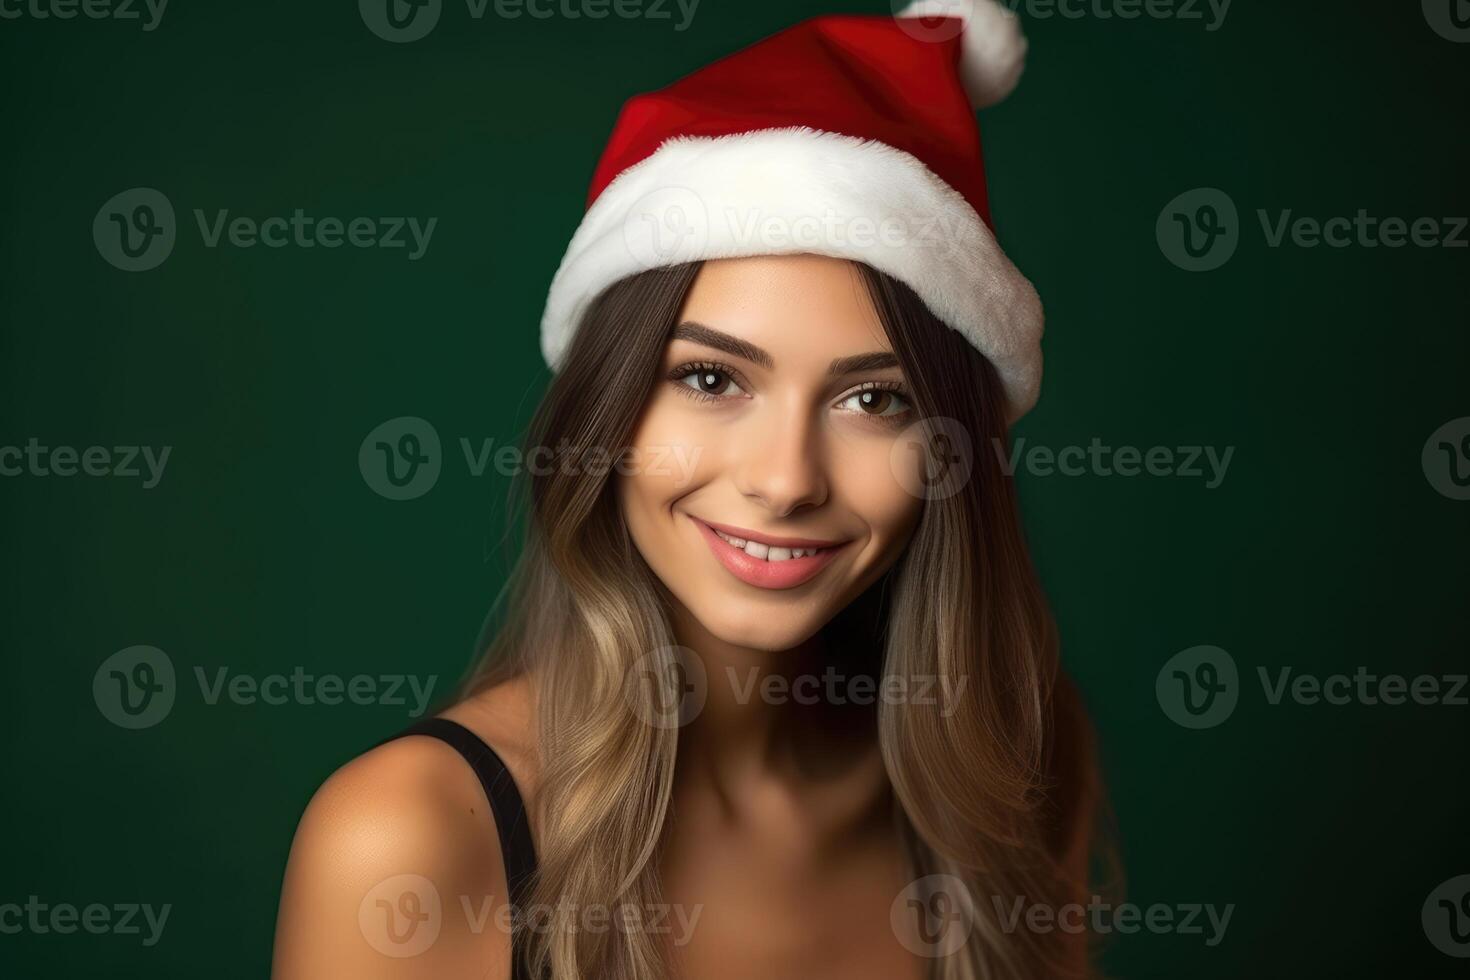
(993, 45)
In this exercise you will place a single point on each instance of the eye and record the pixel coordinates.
(877, 399)
(706, 380)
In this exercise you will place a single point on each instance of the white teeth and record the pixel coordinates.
(765, 552)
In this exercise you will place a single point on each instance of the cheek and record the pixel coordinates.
(669, 455)
(871, 479)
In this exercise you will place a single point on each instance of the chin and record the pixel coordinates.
(760, 625)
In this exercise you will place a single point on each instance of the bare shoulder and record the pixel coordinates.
(395, 869)
(504, 717)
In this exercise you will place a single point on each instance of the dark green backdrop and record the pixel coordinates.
(262, 548)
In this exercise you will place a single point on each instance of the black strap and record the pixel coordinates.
(516, 849)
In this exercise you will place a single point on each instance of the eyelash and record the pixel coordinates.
(677, 375)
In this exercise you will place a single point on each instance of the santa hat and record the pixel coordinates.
(848, 136)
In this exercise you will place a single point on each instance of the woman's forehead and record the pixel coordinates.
(799, 304)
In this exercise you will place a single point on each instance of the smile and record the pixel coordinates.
(767, 561)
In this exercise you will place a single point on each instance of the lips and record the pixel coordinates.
(767, 561)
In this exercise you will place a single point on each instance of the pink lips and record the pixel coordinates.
(767, 574)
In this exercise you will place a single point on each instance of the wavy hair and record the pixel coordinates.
(999, 791)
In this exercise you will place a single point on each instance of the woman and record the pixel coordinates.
(774, 690)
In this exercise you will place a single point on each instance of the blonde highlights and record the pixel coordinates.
(997, 790)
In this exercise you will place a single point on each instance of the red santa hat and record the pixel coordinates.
(848, 136)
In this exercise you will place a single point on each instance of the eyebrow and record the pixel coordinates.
(710, 337)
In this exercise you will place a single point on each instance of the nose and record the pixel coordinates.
(779, 463)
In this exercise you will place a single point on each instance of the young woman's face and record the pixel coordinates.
(768, 492)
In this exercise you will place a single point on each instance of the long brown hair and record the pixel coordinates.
(998, 790)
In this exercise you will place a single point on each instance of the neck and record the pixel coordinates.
(782, 726)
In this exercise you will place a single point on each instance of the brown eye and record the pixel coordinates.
(710, 381)
(876, 401)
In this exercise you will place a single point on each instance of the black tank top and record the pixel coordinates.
(516, 849)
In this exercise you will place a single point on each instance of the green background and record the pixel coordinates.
(262, 549)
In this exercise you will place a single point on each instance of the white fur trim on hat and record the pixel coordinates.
(801, 190)
(993, 47)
